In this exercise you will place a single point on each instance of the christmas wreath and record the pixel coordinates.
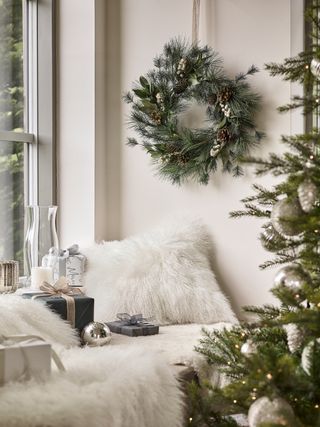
(185, 74)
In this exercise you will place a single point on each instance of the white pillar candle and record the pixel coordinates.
(39, 275)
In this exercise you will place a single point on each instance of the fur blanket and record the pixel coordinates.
(176, 344)
(102, 387)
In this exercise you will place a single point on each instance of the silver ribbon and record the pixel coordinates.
(72, 250)
(195, 21)
(134, 320)
(7, 340)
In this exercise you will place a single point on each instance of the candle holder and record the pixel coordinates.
(41, 235)
(9, 276)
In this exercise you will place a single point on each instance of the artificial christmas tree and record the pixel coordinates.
(272, 365)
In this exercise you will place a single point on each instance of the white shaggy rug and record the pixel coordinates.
(103, 387)
(175, 344)
(111, 386)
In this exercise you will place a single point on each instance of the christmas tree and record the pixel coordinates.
(271, 365)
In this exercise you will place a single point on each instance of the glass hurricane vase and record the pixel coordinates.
(41, 235)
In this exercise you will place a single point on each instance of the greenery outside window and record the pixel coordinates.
(26, 116)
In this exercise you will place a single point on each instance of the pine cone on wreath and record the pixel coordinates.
(225, 95)
(212, 99)
(183, 159)
(181, 86)
(171, 148)
(156, 117)
(223, 136)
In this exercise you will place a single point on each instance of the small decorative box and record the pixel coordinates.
(133, 326)
(69, 263)
(24, 360)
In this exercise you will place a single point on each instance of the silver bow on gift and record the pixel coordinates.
(72, 250)
(134, 320)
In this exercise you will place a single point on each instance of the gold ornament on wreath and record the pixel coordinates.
(183, 75)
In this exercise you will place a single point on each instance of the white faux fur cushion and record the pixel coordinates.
(164, 274)
(22, 316)
(102, 387)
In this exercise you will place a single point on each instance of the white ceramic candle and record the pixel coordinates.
(39, 275)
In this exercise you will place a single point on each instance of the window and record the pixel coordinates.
(26, 116)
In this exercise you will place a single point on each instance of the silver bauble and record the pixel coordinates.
(315, 68)
(248, 348)
(276, 411)
(291, 276)
(306, 354)
(308, 195)
(282, 211)
(295, 336)
(96, 334)
(270, 239)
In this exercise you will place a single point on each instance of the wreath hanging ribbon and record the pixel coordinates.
(183, 74)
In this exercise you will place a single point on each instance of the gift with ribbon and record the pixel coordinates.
(133, 325)
(26, 356)
(68, 263)
(68, 301)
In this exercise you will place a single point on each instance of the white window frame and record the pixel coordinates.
(39, 79)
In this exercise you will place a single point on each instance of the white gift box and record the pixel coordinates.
(75, 268)
(23, 360)
(72, 267)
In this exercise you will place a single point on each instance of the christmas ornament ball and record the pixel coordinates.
(306, 354)
(276, 411)
(96, 334)
(248, 348)
(308, 195)
(291, 276)
(282, 211)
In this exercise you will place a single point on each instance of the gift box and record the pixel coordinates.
(24, 360)
(119, 327)
(75, 265)
(69, 263)
(84, 307)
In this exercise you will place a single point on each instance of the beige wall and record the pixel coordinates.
(107, 190)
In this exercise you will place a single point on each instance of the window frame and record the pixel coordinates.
(39, 116)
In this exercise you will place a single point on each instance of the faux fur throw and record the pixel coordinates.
(164, 274)
(103, 387)
(111, 386)
(23, 316)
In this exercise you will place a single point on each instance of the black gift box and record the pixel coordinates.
(84, 307)
(119, 327)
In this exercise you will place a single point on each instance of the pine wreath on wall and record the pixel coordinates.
(189, 73)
